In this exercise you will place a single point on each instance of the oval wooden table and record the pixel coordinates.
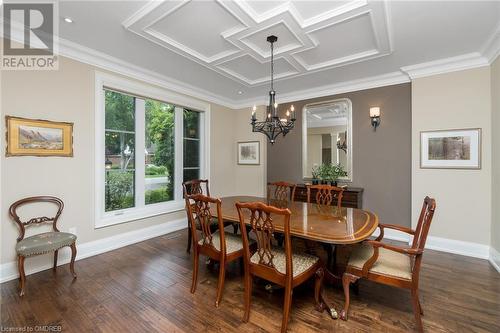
(320, 223)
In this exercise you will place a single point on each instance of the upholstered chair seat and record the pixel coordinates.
(44, 243)
(389, 263)
(301, 262)
(233, 242)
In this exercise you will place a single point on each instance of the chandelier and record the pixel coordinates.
(273, 125)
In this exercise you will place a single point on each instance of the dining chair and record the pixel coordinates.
(325, 194)
(191, 187)
(397, 266)
(281, 191)
(42, 243)
(219, 246)
(276, 265)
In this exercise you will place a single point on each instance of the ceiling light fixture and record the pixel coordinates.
(68, 20)
(273, 126)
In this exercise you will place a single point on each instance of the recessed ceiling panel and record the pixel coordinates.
(252, 70)
(261, 7)
(310, 9)
(339, 42)
(199, 26)
(286, 40)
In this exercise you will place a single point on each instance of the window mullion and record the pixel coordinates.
(179, 152)
(140, 148)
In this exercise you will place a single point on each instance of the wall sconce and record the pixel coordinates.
(375, 117)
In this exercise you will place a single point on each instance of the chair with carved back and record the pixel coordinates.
(397, 266)
(196, 186)
(277, 265)
(219, 245)
(44, 242)
(325, 195)
(281, 191)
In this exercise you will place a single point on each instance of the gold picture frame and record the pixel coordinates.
(37, 137)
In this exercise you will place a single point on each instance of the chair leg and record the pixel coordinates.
(235, 228)
(72, 263)
(55, 260)
(417, 309)
(220, 284)
(22, 276)
(195, 269)
(248, 295)
(318, 289)
(286, 308)
(188, 250)
(347, 279)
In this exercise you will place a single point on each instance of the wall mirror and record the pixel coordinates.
(327, 136)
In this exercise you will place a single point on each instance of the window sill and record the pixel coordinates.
(134, 214)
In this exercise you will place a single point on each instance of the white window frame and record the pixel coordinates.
(137, 88)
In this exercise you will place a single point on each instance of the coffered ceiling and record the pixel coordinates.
(217, 50)
(313, 35)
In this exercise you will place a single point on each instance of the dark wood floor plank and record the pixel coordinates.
(145, 287)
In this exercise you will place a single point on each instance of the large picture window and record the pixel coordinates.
(147, 146)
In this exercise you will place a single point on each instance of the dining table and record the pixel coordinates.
(319, 223)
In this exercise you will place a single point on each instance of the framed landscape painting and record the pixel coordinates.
(249, 153)
(451, 149)
(30, 137)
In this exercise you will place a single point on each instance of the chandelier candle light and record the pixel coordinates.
(273, 125)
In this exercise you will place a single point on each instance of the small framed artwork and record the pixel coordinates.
(451, 149)
(30, 137)
(249, 153)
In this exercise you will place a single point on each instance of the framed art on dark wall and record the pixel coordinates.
(451, 149)
(249, 153)
(34, 137)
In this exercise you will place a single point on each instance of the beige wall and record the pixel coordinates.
(68, 95)
(229, 178)
(453, 101)
(495, 108)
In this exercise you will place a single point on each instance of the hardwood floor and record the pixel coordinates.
(145, 288)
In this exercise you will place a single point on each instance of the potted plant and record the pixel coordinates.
(315, 174)
(330, 173)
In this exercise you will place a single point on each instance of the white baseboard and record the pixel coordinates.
(495, 258)
(443, 244)
(8, 271)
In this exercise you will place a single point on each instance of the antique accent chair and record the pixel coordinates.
(281, 191)
(393, 265)
(277, 265)
(44, 242)
(324, 196)
(220, 246)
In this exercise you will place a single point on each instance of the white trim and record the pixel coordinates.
(8, 271)
(383, 80)
(446, 65)
(140, 210)
(491, 49)
(494, 258)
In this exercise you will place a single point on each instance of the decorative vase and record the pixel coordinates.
(315, 181)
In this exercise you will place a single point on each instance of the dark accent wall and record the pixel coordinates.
(381, 159)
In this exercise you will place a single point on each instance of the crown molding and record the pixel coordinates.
(104, 61)
(491, 49)
(383, 80)
(446, 65)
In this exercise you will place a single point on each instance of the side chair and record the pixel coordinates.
(42, 243)
(277, 265)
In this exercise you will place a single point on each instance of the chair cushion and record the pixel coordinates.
(301, 262)
(233, 242)
(44, 243)
(388, 263)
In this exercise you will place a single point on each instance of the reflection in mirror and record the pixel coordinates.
(327, 136)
